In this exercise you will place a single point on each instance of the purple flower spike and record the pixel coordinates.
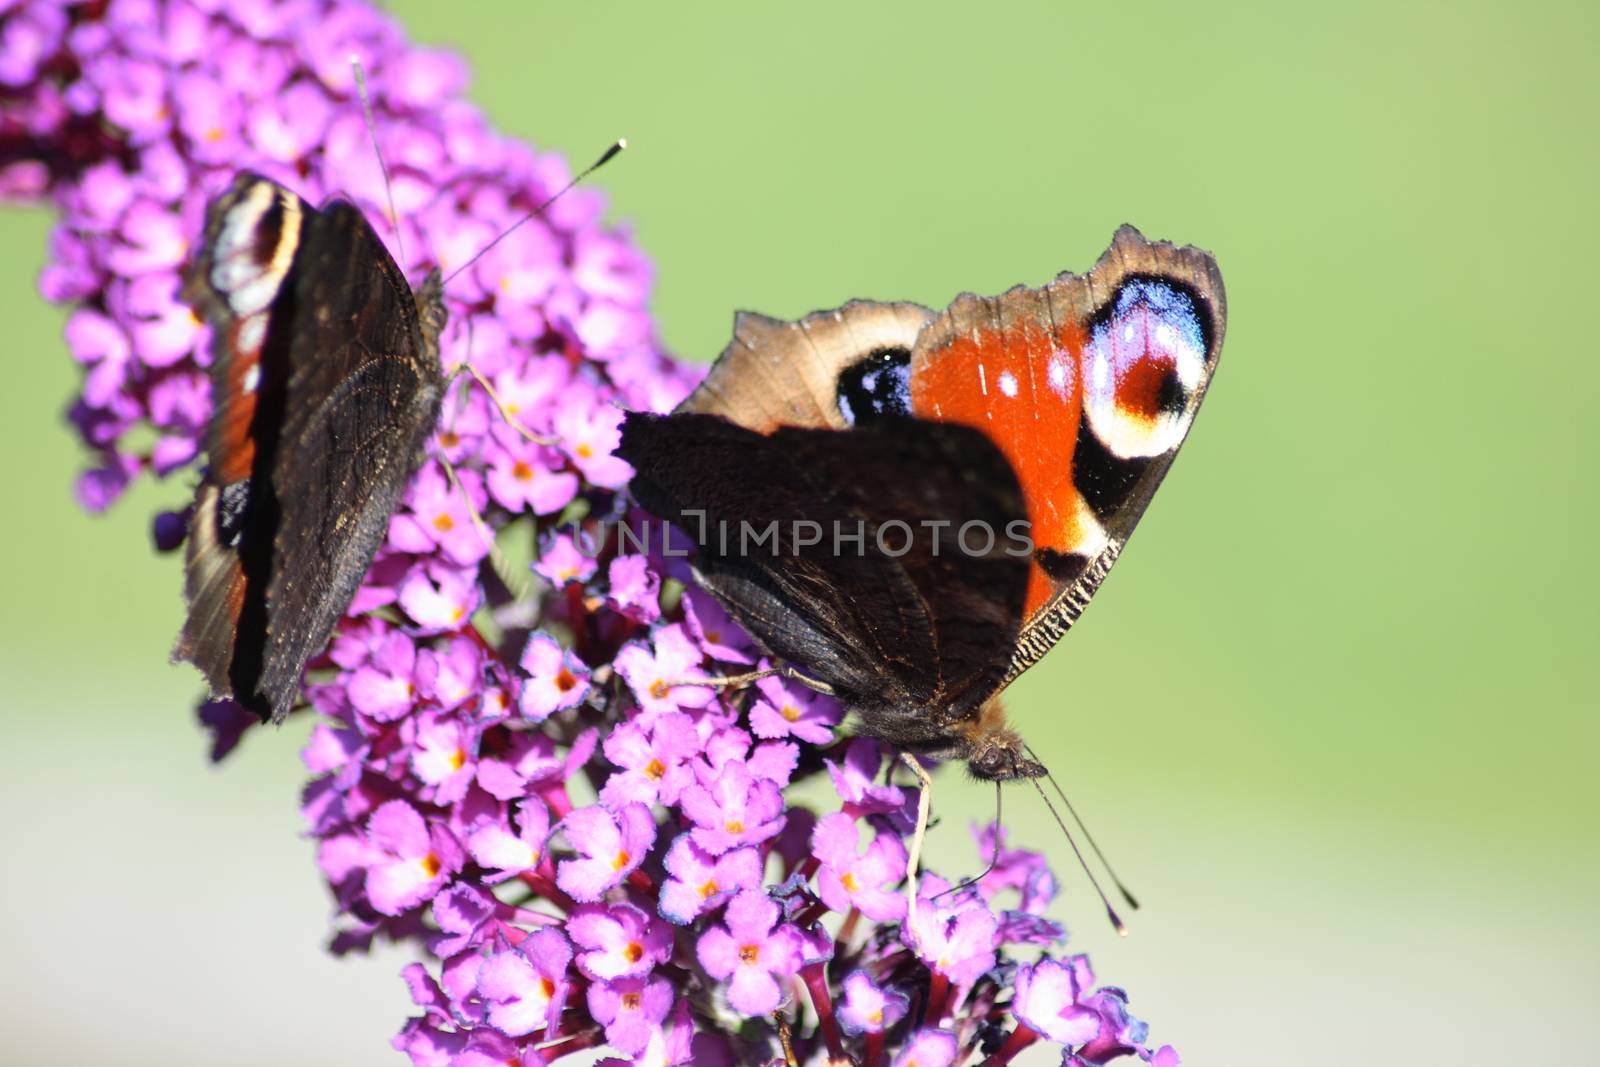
(928, 1048)
(957, 940)
(654, 763)
(556, 679)
(613, 846)
(1047, 1001)
(495, 847)
(787, 709)
(867, 1009)
(719, 636)
(632, 1010)
(410, 860)
(458, 750)
(865, 882)
(700, 881)
(653, 675)
(749, 954)
(735, 809)
(619, 941)
(563, 561)
(487, 1048)
(526, 988)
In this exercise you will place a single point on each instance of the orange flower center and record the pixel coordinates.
(659, 689)
(630, 1002)
(655, 770)
(522, 472)
(458, 759)
(849, 882)
(431, 865)
(749, 953)
(709, 888)
(566, 680)
(634, 952)
(621, 861)
(733, 826)
(791, 712)
(443, 522)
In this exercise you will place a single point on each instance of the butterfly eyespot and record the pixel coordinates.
(876, 386)
(1144, 362)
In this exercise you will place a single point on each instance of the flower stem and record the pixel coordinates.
(938, 993)
(816, 980)
(1020, 1039)
(877, 1053)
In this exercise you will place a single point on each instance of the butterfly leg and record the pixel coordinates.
(738, 681)
(505, 412)
(914, 860)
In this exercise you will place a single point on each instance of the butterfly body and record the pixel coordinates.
(1071, 398)
(326, 385)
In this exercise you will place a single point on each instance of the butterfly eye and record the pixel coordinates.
(876, 386)
(1143, 365)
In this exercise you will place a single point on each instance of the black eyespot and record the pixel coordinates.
(1173, 397)
(876, 386)
(232, 510)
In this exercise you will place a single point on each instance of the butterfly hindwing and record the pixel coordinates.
(921, 630)
(776, 373)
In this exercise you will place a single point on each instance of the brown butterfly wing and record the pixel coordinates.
(241, 284)
(363, 396)
(1088, 418)
(325, 383)
(909, 641)
(776, 373)
(1089, 386)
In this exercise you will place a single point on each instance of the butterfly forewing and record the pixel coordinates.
(1089, 386)
(363, 396)
(904, 624)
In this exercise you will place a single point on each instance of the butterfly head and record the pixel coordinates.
(994, 752)
(1000, 757)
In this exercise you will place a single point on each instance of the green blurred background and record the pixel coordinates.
(1333, 714)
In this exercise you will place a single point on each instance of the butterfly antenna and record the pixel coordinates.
(994, 857)
(1111, 913)
(372, 131)
(1087, 836)
(605, 157)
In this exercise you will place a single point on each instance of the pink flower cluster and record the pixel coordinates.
(589, 854)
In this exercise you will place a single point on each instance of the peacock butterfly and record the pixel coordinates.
(1063, 405)
(326, 383)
